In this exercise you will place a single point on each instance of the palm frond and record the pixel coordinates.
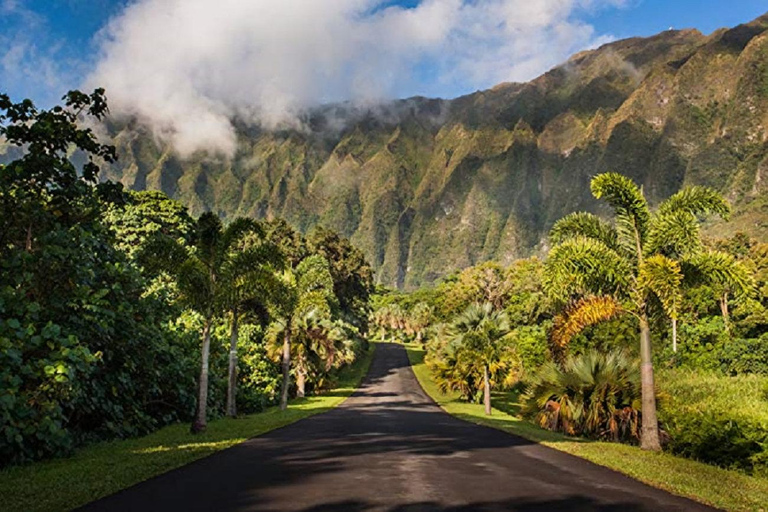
(663, 277)
(674, 233)
(697, 200)
(582, 266)
(239, 228)
(624, 196)
(581, 224)
(581, 314)
(719, 268)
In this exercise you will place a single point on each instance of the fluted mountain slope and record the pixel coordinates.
(427, 186)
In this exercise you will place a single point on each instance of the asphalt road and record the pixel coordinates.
(390, 448)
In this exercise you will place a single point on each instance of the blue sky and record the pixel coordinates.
(50, 45)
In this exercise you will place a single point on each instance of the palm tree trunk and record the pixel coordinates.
(200, 422)
(286, 368)
(232, 382)
(674, 335)
(486, 391)
(725, 312)
(649, 437)
(301, 379)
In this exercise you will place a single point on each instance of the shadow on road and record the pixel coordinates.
(390, 448)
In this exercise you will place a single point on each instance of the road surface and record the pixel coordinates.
(390, 448)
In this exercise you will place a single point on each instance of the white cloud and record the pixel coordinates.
(187, 67)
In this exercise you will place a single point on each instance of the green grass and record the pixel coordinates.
(105, 468)
(729, 490)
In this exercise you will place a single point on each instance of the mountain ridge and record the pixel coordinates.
(427, 186)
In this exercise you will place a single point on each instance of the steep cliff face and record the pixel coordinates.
(425, 186)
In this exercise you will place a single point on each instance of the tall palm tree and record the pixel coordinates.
(635, 266)
(206, 276)
(249, 281)
(307, 288)
(479, 333)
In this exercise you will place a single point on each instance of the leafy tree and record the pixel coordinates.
(485, 283)
(352, 275)
(637, 266)
(249, 287)
(419, 318)
(478, 335)
(210, 280)
(142, 215)
(77, 328)
(43, 190)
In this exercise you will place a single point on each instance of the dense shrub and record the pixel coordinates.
(745, 356)
(716, 419)
(85, 352)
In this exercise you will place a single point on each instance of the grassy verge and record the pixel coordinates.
(729, 490)
(106, 468)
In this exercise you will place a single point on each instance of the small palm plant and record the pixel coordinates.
(478, 340)
(594, 394)
(636, 266)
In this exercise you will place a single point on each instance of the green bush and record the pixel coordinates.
(745, 356)
(87, 358)
(717, 419)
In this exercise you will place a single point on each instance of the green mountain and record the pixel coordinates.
(426, 186)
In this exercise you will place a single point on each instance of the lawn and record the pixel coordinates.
(729, 490)
(105, 468)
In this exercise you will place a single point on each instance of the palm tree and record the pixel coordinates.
(318, 345)
(206, 276)
(249, 282)
(419, 319)
(636, 266)
(306, 289)
(478, 334)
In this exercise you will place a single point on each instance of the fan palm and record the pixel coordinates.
(478, 334)
(208, 277)
(594, 394)
(601, 270)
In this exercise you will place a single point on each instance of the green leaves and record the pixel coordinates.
(583, 265)
(721, 269)
(585, 225)
(625, 197)
(663, 277)
(696, 201)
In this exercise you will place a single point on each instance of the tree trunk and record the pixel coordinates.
(674, 335)
(232, 382)
(301, 379)
(486, 391)
(202, 390)
(725, 312)
(286, 368)
(649, 437)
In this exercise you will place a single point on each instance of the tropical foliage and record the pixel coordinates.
(591, 394)
(120, 313)
(637, 265)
